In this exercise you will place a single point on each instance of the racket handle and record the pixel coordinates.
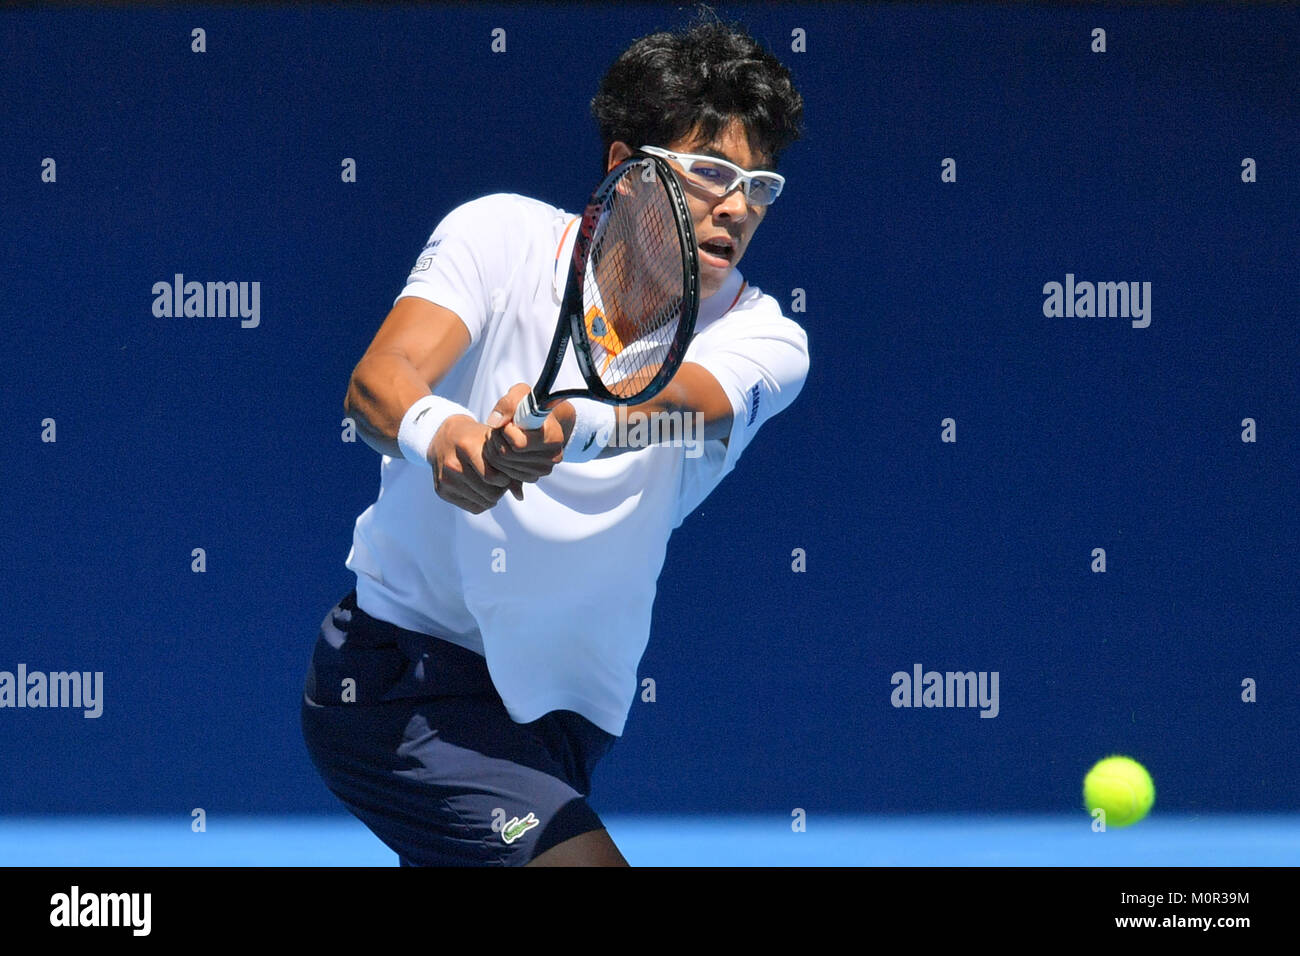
(527, 414)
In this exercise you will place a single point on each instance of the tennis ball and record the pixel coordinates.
(1122, 787)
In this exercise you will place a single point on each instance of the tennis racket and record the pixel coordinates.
(632, 295)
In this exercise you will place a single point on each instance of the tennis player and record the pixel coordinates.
(460, 696)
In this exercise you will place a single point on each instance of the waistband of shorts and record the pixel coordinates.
(415, 644)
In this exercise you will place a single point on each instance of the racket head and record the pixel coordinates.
(634, 286)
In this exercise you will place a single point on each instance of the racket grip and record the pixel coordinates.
(527, 414)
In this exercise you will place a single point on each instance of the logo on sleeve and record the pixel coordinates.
(753, 404)
(515, 828)
(426, 260)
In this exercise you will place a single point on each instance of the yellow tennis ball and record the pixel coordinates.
(1122, 787)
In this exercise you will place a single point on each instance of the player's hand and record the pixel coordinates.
(461, 476)
(526, 454)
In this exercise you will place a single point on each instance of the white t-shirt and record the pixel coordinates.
(555, 591)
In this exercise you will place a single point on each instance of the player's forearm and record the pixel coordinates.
(693, 392)
(383, 386)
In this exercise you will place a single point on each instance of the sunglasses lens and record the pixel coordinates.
(712, 176)
(763, 190)
(720, 179)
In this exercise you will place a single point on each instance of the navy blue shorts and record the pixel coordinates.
(408, 731)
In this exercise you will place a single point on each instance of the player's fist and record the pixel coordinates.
(503, 412)
(526, 454)
(461, 475)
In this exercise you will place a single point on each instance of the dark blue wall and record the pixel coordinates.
(924, 302)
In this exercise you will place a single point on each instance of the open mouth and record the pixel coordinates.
(720, 249)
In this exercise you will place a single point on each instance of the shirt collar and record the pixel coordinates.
(563, 253)
(722, 301)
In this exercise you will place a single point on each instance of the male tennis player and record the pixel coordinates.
(459, 698)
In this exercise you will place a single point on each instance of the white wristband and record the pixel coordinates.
(421, 422)
(593, 427)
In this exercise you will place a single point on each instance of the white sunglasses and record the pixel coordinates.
(720, 177)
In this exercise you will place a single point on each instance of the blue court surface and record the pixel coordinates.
(683, 841)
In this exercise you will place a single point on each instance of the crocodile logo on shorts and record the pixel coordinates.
(516, 828)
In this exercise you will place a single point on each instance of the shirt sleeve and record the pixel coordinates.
(468, 260)
(761, 362)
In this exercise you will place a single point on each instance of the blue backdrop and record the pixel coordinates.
(924, 302)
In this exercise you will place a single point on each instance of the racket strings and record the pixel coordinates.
(635, 290)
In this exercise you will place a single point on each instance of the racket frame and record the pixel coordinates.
(572, 326)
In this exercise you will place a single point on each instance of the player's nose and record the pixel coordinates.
(732, 205)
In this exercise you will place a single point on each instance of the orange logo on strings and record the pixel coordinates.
(602, 332)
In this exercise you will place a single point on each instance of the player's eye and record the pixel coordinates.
(712, 174)
(762, 191)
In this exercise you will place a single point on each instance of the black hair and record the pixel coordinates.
(667, 85)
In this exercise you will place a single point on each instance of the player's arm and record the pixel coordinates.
(527, 455)
(416, 346)
(692, 391)
(734, 382)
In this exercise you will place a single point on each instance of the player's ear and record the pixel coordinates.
(618, 151)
